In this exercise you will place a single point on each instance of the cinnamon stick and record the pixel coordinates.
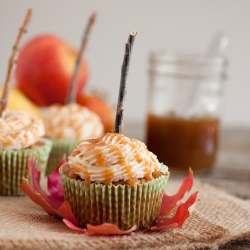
(71, 96)
(124, 74)
(5, 93)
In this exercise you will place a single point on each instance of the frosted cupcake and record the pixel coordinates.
(20, 138)
(66, 125)
(114, 179)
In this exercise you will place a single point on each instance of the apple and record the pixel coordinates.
(99, 106)
(45, 68)
(18, 101)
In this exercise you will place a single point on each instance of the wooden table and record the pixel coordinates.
(232, 169)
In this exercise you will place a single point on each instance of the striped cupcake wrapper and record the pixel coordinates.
(41, 155)
(14, 166)
(59, 148)
(122, 205)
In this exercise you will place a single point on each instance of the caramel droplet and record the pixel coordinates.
(108, 176)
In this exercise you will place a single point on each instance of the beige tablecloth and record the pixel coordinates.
(218, 218)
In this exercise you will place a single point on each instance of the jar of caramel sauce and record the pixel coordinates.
(184, 102)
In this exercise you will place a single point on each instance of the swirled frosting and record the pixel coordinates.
(19, 130)
(71, 121)
(112, 158)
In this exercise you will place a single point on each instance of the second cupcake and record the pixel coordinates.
(20, 138)
(66, 125)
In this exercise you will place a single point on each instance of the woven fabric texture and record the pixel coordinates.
(217, 219)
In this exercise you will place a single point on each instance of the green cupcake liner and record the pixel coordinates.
(59, 148)
(14, 166)
(41, 155)
(122, 205)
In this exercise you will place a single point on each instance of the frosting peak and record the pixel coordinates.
(19, 130)
(71, 121)
(112, 158)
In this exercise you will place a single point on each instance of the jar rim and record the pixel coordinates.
(168, 56)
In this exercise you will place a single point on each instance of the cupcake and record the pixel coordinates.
(114, 179)
(66, 125)
(20, 138)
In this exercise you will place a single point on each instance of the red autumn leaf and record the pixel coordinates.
(182, 213)
(36, 197)
(107, 229)
(103, 229)
(74, 227)
(54, 201)
(169, 202)
(55, 186)
(63, 211)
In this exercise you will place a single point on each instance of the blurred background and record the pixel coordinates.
(161, 24)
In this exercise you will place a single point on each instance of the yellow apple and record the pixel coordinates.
(18, 101)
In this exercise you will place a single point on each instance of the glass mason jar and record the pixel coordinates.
(184, 107)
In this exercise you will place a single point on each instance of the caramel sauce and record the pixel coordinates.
(148, 173)
(129, 172)
(120, 159)
(156, 174)
(66, 170)
(59, 133)
(123, 141)
(49, 127)
(92, 146)
(132, 182)
(75, 152)
(37, 144)
(94, 140)
(108, 176)
(25, 138)
(100, 158)
(14, 136)
(71, 123)
(72, 174)
(7, 142)
(87, 182)
(78, 132)
(136, 153)
(183, 143)
(61, 123)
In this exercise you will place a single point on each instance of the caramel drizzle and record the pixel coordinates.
(108, 176)
(92, 147)
(19, 132)
(76, 116)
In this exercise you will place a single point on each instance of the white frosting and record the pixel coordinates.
(71, 121)
(112, 158)
(19, 130)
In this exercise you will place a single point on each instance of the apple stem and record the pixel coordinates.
(71, 97)
(12, 61)
(124, 74)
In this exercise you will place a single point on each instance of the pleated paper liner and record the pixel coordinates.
(14, 166)
(122, 205)
(59, 148)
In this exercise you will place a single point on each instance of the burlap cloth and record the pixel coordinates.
(218, 218)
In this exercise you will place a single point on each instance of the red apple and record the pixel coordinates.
(101, 108)
(45, 67)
